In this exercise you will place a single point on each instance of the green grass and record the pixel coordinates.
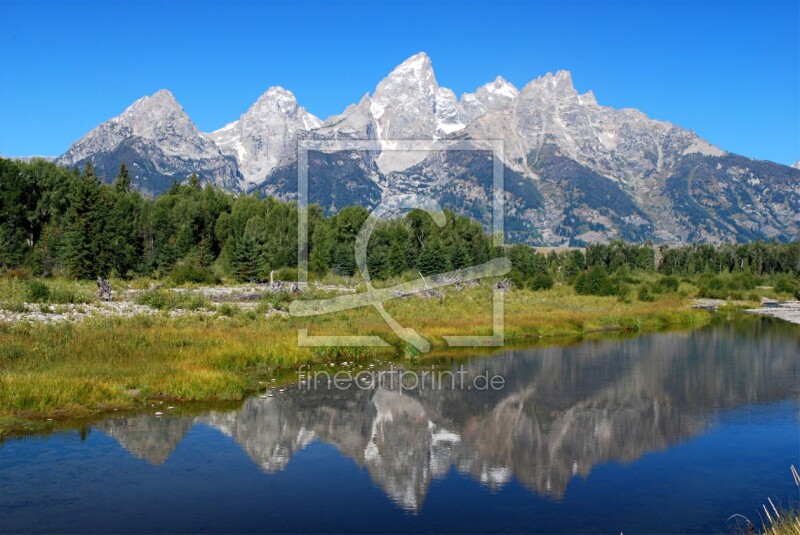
(163, 299)
(14, 292)
(781, 521)
(68, 370)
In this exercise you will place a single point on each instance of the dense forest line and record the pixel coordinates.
(56, 221)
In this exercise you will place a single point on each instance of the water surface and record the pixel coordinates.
(662, 433)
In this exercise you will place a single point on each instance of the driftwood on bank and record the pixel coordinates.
(103, 289)
(504, 284)
(427, 292)
(334, 288)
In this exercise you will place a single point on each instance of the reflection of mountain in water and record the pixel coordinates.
(562, 411)
(147, 437)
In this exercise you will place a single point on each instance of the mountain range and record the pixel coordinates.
(574, 171)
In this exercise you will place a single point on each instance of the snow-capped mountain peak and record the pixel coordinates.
(419, 66)
(404, 106)
(159, 141)
(158, 118)
(355, 122)
(501, 88)
(588, 99)
(410, 83)
(262, 137)
(162, 98)
(492, 96)
(558, 84)
(278, 99)
(577, 171)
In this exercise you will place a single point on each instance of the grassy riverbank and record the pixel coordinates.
(786, 523)
(779, 520)
(72, 370)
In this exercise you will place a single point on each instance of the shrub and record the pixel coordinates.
(541, 281)
(167, 300)
(595, 281)
(410, 352)
(14, 306)
(229, 310)
(286, 275)
(623, 274)
(785, 285)
(644, 294)
(712, 286)
(711, 293)
(38, 292)
(515, 278)
(743, 281)
(190, 272)
(628, 325)
(667, 284)
(192, 301)
(623, 292)
(276, 300)
(153, 298)
(17, 273)
(64, 295)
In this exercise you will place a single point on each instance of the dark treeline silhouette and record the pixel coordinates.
(55, 221)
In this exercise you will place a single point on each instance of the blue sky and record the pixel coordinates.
(728, 70)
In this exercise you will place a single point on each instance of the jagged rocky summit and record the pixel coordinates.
(575, 171)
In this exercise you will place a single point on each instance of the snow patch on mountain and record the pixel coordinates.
(578, 170)
(160, 144)
(264, 135)
(158, 118)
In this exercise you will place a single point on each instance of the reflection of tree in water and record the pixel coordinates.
(563, 410)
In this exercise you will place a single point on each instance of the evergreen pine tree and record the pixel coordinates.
(87, 255)
(344, 261)
(378, 263)
(645, 259)
(205, 251)
(432, 259)
(16, 203)
(459, 258)
(122, 182)
(245, 260)
(89, 171)
(320, 256)
(397, 259)
(574, 264)
(125, 238)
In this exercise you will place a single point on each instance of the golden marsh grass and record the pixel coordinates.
(76, 370)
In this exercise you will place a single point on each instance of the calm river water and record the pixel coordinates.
(663, 433)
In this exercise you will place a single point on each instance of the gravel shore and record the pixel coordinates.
(787, 311)
(38, 313)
